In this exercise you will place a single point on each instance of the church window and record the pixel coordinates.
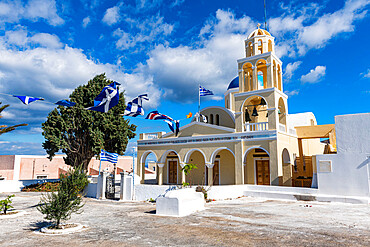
(211, 119)
(260, 80)
(270, 46)
(260, 46)
(217, 119)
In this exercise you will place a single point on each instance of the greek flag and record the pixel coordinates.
(106, 156)
(27, 99)
(134, 107)
(204, 92)
(107, 98)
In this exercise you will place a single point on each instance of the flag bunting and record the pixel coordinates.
(27, 99)
(107, 98)
(155, 115)
(134, 108)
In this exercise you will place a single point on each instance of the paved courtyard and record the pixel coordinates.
(242, 222)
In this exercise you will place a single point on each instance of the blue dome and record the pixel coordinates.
(234, 83)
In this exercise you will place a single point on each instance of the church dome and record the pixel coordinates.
(258, 32)
(234, 83)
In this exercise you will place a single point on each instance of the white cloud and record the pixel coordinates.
(292, 93)
(111, 16)
(304, 29)
(315, 75)
(20, 37)
(290, 68)
(86, 21)
(153, 28)
(55, 73)
(179, 70)
(366, 74)
(43, 9)
(46, 40)
(34, 10)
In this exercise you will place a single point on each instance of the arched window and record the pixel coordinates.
(211, 119)
(260, 80)
(260, 49)
(217, 119)
(270, 46)
(250, 49)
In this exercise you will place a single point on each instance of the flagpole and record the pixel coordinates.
(100, 162)
(199, 104)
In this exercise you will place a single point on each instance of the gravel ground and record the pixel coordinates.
(241, 222)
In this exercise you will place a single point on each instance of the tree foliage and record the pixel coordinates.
(81, 133)
(59, 206)
(4, 128)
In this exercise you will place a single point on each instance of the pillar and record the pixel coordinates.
(238, 163)
(210, 172)
(183, 177)
(269, 74)
(255, 78)
(160, 173)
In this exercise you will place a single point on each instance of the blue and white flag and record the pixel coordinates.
(106, 156)
(204, 92)
(174, 126)
(27, 99)
(65, 103)
(134, 108)
(107, 98)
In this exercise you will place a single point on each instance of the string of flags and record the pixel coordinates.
(109, 97)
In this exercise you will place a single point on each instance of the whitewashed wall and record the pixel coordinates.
(349, 173)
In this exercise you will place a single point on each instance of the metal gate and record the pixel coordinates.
(110, 187)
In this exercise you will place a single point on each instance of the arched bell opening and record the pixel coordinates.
(282, 114)
(261, 74)
(248, 77)
(255, 114)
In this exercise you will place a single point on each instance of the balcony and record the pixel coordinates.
(151, 136)
(262, 126)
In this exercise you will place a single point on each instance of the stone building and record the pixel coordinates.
(252, 140)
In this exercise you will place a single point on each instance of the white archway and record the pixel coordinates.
(251, 148)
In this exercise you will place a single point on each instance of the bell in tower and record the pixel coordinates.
(261, 68)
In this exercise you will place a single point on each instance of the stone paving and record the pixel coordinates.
(241, 222)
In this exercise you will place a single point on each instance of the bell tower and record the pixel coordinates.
(260, 68)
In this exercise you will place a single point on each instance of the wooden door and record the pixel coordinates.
(263, 172)
(172, 171)
(216, 173)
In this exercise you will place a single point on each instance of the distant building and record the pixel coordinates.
(27, 167)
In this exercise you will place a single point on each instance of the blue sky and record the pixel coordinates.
(166, 48)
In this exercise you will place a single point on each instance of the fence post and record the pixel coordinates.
(101, 186)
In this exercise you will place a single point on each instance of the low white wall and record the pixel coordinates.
(10, 186)
(144, 192)
(91, 190)
(18, 185)
(349, 175)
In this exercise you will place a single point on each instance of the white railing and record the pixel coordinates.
(151, 136)
(282, 127)
(262, 126)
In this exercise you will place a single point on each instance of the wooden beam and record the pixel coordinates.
(315, 131)
(300, 149)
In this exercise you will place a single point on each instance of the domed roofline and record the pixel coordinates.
(259, 32)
